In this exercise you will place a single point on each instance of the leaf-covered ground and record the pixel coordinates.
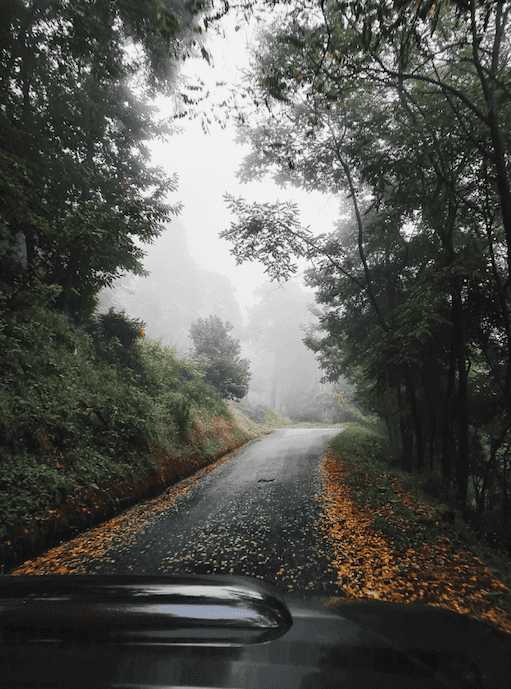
(367, 562)
(258, 514)
(79, 555)
(370, 565)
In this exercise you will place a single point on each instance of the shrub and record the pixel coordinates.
(114, 337)
(66, 417)
(164, 374)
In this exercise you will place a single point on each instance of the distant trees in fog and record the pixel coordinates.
(219, 353)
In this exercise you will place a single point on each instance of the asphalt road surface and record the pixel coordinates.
(259, 515)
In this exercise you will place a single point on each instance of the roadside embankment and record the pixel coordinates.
(94, 418)
(211, 437)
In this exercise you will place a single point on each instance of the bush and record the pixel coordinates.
(176, 411)
(255, 412)
(114, 337)
(165, 374)
(66, 419)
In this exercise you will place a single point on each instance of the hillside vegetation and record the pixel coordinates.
(93, 419)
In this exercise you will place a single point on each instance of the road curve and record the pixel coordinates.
(257, 515)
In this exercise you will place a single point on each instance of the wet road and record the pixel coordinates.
(258, 514)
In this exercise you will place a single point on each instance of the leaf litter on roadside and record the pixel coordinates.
(367, 562)
(72, 557)
(371, 565)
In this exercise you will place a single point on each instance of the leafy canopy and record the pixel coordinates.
(78, 192)
(401, 108)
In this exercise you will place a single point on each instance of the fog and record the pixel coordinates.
(192, 273)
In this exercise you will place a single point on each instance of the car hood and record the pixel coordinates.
(219, 631)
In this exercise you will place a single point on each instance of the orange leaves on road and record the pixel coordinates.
(87, 551)
(369, 565)
(93, 503)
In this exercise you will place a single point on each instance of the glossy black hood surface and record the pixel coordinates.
(219, 631)
(202, 610)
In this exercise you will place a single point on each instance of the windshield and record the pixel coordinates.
(254, 296)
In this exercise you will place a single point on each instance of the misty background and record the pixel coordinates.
(193, 275)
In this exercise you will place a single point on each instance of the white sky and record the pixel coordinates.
(207, 164)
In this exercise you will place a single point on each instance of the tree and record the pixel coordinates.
(219, 353)
(403, 107)
(285, 369)
(78, 191)
(164, 298)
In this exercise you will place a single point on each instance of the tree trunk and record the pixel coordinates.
(488, 79)
(486, 477)
(462, 464)
(417, 424)
(447, 422)
(67, 301)
(273, 397)
(406, 435)
(432, 438)
(506, 507)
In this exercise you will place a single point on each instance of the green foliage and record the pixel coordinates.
(269, 233)
(66, 419)
(86, 406)
(255, 412)
(273, 420)
(77, 187)
(260, 414)
(114, 337)
(362, 444)
(165, 373)
(322, 407)
(218, 354)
